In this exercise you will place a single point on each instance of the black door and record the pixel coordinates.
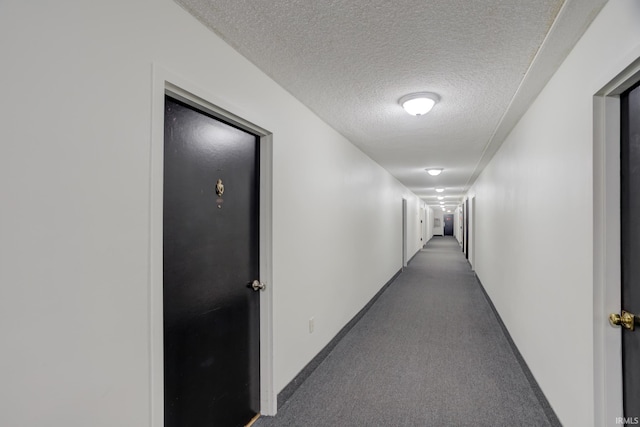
(463, 215)
(630, 250)
(466, 229)
(448, 225)
(211, 317)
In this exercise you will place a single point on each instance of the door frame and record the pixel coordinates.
(422, 226)
(166, 82)
(404, 234)
(444, 222)
(472, 234)
(607, 356)
(466, 228)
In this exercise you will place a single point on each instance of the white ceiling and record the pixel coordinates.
(351, 60)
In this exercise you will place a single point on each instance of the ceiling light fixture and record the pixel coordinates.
(440, 198)
(439, 190)
(420, 103)
(434, 171)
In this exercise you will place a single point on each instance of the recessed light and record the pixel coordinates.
(440, 198)
(434, 171)
(439, 190)
(420, 103)
(442, 203)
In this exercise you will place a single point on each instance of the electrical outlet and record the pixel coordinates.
(311, 324)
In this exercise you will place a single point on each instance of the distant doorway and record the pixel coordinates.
(404, 233)
(466, 229)
(448, 225)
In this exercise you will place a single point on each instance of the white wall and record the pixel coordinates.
(415, 211)
(427, 232)
(534, 234)
(74, 178)
(457, 224)
(414, 230)
(429, 222)
(438, 214)
(471, 236)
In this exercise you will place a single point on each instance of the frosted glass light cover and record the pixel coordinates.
(418, 104)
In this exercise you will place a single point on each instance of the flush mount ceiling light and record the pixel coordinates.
(440, 198)
(420, 103)
(439, 190)
(434, 172)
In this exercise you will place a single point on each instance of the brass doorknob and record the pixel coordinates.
(625, 319)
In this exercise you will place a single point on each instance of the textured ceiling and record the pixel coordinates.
(350, 62)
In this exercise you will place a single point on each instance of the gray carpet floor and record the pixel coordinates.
(429, 352)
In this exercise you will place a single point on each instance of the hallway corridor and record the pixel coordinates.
(429, 352)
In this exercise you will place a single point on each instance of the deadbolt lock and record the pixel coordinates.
(625, 319)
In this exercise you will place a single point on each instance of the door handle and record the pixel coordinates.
(625, 319)
(257, 285)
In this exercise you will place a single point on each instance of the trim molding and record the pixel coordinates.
(607, 342)
(291, 388)
(542, 399)
(165, 81)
